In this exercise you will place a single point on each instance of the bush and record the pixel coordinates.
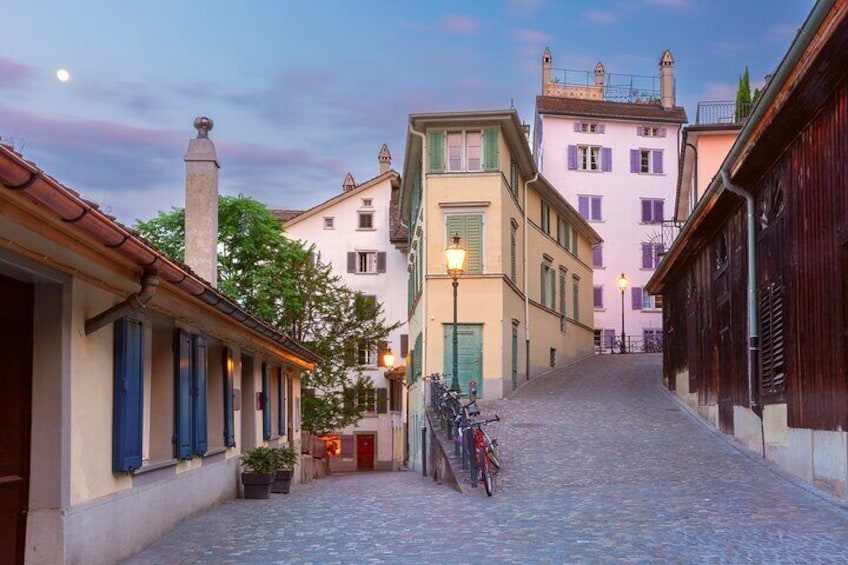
(286, 458)
(261, 461)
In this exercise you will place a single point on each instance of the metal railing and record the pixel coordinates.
(725, 112)
(613, 88)
(632, 344)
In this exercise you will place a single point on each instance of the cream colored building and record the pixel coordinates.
(525, 299)
(130, 386)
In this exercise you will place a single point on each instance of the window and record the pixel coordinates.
(329, 223)
(650, 131)
(588, 127)
(589, 158)
(651, 253)
(646, 161)
(363, 262)
(459, 151)
(548, 285)
(553, 357)
(366, 355)
(772, 345)
(546, 217)
(367, 400)
(575, 295)
(652, 210)
(564, 234)
(513, 262)
(598, 256)
(469, 228)
(366, 220)
(574, 233)
(464, 151)
(590, 207)
(513, 177)
(641, 300)
(598, 297)
(562, 273)
(367, 202)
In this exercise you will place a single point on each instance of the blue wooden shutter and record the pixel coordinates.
(647, 252)
(647, 210)
(491, 149)
(658, 161)
(128, 394)
(572, 157)
(636, 297)
(596, 208)
(229, 424)
(606, 159)
(435, 151)
(281, 430)
(266, 402)
(199, 377)
(583, 206)
(634, 160)
(598, 296)
(183, 407)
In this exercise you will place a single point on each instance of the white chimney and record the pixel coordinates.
(201, 204)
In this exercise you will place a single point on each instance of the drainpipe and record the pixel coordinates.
(753, 324)
(423, 293)
(134, 303)
(526, 286)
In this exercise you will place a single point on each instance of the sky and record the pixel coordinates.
(301, 93)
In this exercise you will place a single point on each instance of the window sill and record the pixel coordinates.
(601, 309)
(652, 310)
(156, 466)
(366, 273)
(590, 171)
(651, 174)
(366, 229)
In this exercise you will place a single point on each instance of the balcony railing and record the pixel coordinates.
(634, 89)
(727, 113)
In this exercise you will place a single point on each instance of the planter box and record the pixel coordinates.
(257, 486)
(282, 481)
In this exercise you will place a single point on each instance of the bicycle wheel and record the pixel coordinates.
(488, 480)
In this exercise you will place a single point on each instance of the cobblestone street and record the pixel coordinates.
(600, 465)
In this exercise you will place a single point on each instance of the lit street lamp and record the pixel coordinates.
(388, 359)
(455, 256)
(622, 284)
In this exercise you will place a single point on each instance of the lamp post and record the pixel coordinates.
(455, 256)
(622, 284)
(388, 360)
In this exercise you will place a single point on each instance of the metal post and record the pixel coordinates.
(623, 349)
(424, 450)
(455, 384)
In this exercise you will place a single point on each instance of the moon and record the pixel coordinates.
(63, 75)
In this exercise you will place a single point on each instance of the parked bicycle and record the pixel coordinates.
(487, 456)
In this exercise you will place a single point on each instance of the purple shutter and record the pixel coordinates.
(597, 256)
(598, 295)
(639, 131)
(606, 159)
(583, 206)
(658, 161)
(596, 208)
(636, 297)
(381, 262)
(647, 252)
(634, 160)
(351, 262)
(662, 132)
(572, 157)
(602, 128)
(646, 212)
(658, 211)
(576, 127)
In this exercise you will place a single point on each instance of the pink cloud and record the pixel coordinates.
(13, 75)
(460, 25)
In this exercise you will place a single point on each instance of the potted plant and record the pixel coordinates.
(258, 471)
(286, 460)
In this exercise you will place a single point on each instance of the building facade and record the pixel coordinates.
(130, 387)
(359, 234)
(612, 152)
(524, 302)
(757, 282)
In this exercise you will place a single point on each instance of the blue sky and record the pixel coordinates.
(303, 92)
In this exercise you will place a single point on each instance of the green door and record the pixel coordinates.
(470, 359)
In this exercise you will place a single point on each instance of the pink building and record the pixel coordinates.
(609, 143)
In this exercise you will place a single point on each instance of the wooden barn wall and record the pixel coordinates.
(801, 242)
(815, 173)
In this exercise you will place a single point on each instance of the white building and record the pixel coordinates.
(612, 152)
(359, 233)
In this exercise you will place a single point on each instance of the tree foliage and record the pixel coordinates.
(743, 97)
(285, 282)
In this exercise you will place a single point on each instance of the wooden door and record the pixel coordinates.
(725, 370)
(365, 452)
(470, 354)
(16, 314)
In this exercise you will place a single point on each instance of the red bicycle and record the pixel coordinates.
(487, 457)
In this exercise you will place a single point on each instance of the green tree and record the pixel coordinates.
(743, 97)
(287, 284)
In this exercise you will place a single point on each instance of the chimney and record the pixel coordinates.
(599, 74)
(201, 204)
(546, 69)
(667, 79)
(348, 184)
(385, 159)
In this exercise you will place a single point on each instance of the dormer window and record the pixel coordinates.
(464, 151)
(589, 127)
(650, 131)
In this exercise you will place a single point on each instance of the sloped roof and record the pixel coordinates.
(559, 106)
(285, 215)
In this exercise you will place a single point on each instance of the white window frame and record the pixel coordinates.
(649, 169)
(588, 127)
(366, 260)
(650, 131)
(470, 157)
(589, 158)
(329, 223)
(649, 302)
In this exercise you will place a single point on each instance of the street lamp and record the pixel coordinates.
(388, 359)
(455, 256)
(622, 284)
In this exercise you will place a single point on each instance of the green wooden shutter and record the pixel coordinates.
(382, 401)
(474, 244)
(491, 149)
(435, 151)
(542, 277)
(512, 255)
(513, 177)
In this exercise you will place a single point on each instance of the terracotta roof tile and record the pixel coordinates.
(603, 109)
(285, 215)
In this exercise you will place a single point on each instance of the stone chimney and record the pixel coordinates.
(385, 159)
(599, 75)
(348, 184)
(201, 204)
(546, 69)
(667, 79)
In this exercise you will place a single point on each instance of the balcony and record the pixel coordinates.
(722, 113)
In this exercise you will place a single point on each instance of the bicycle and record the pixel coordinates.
(487, 456)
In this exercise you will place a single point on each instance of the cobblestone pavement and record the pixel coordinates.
(600, 465)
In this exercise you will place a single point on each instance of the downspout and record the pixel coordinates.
(423, 295)
(753, 323)
(527, 286)
(134, 303)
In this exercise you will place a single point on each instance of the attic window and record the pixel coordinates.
(329, 222)
(367, 202)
